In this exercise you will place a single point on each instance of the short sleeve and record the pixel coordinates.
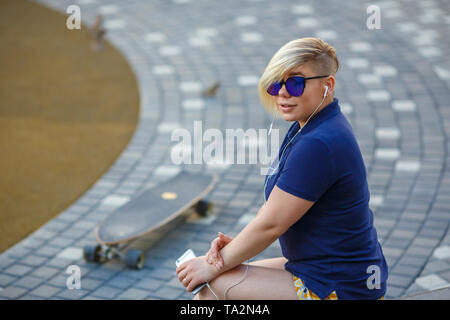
(308, 170)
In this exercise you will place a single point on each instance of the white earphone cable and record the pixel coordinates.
(233, 285)
(209, 287)
(242, 279)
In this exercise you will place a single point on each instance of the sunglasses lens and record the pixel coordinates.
(274, 88)
(295, 86)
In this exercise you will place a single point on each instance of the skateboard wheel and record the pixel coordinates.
(135, 259)
(109, 254)
(203, 207)
(92, 253)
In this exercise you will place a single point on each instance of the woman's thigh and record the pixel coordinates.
(276, 263)
(259, 283)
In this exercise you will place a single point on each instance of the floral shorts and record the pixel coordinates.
(304, 293)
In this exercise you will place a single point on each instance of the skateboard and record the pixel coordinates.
(150, 212)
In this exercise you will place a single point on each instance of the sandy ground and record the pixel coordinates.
(66, 113)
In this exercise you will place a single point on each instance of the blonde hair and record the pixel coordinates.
(322, 56)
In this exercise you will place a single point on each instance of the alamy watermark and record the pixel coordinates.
(374, 280)
(73, 21)
(212, 147)
(374, 20)
(74, 280)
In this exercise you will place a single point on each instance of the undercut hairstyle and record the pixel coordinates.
(320, 55)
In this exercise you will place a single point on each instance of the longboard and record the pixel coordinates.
(148, 212)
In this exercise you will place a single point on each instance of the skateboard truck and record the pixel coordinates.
(203, 208)
(134, 259)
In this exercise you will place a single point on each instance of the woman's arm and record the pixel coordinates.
(279, 213)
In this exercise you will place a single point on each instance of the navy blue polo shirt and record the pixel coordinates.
(334, 246)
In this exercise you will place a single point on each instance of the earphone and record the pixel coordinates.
(287, 144)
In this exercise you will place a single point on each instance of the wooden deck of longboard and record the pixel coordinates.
(155, 207)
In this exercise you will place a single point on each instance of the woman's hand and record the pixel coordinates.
(194, 272)
(213, 256)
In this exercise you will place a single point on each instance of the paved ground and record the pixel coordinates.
(393, 86)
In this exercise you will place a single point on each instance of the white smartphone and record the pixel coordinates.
(188, 255)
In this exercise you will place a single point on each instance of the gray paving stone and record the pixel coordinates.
(167, 293)
(29, 297)
(224, 221)
(74, 294)
(394, 292)
(12, 292)
(75, 233)
(17, 251)
(419, 251)
(57, 225)
(404, 234)
(61, 242)
(106, 292)
(391, 261)
(425, 242)
(409, 225)
(44, 234)
(89, 283)
(45, 291)
(134, 294)
(414, 288)
(47, 251)
(402, 281)
(415, 261)
(432, 233)
(59, 263)
(46, 272)
(18, 270)
(435, 267)
(397, 243)
(406, 270)
(29, 282)
(59, 280)
(150, 284)
(89, 297)
(102, 273)
(5, 280)
(445, 275)
(174, 283)
(438, 215)
(162, 274)
(121, 281)
(392, 252)
(30, 244)
(33, 260)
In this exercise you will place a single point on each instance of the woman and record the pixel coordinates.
(316, 199)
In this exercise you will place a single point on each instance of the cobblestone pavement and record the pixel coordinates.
(393, 86)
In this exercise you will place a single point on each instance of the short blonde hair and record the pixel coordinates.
(322, 56)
